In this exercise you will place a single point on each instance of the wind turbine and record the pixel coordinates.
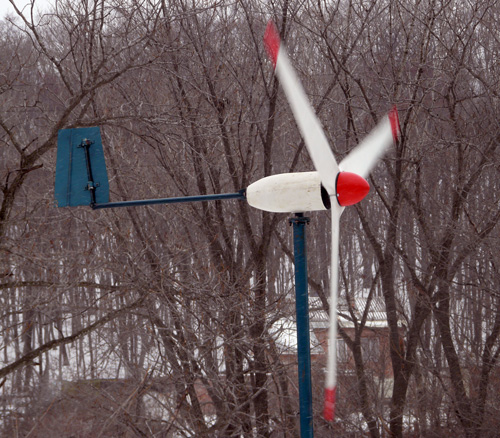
(344, 183)
(81, 179)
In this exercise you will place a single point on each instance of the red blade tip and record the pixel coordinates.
(395, 126)
(272, 42)
(329, 408)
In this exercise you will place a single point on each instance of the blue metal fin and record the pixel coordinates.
(81, 176)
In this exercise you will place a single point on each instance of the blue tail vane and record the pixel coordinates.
(81, 176)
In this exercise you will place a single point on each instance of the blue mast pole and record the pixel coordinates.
(302, 316)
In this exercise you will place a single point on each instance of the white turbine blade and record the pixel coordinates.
(331, 366)
(309, 125)
(363, 158)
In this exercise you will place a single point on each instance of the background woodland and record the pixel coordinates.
(178, 301)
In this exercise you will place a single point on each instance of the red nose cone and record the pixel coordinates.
(351, 188)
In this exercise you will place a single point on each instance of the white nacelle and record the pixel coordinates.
(287, 193)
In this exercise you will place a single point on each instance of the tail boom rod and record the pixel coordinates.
(201, 198)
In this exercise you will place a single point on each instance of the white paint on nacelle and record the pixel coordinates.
(287, 193)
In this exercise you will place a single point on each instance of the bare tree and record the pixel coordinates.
(165, 317)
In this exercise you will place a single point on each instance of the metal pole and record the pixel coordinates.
(90, 179)
(302, 311)
(201, 198)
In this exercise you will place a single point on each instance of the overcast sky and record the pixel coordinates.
(6, 7)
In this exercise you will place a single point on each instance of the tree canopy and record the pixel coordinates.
(182, 303)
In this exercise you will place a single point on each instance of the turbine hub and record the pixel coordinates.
(351, 188)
